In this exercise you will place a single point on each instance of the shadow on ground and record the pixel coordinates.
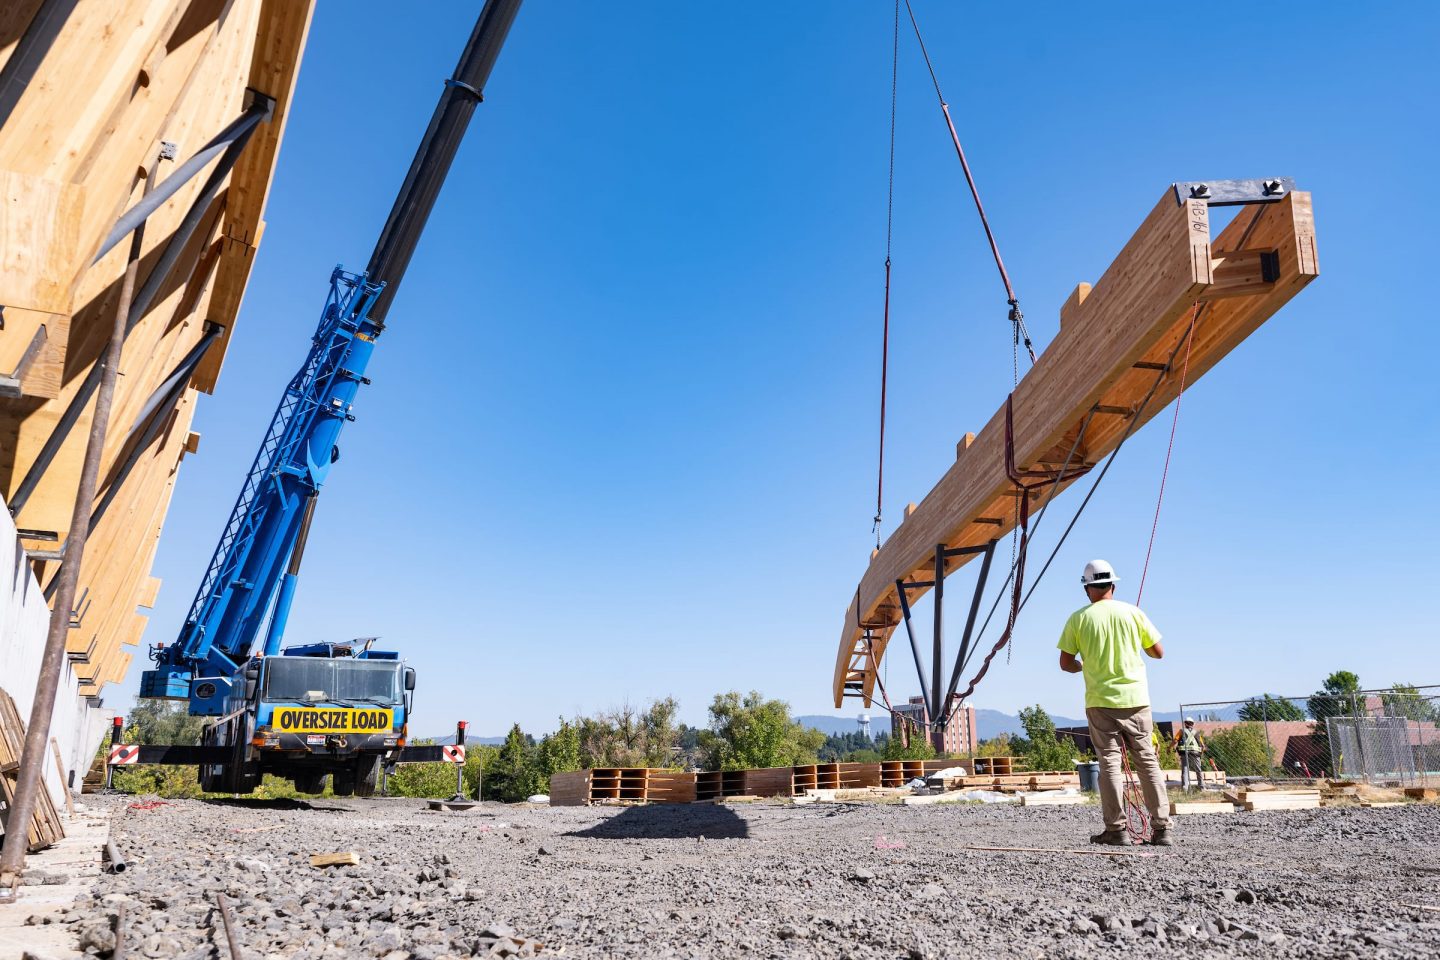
(283, 803)
(667, 822)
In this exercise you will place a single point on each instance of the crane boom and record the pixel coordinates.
(251, 575)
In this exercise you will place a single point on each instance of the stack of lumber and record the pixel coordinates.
(1213, 778)
(1271, 798)
(1422, 793)
(45, 828)
(1187, 807)
(763, 782)
(1010, 783)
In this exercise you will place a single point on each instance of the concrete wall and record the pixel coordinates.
(77, 725)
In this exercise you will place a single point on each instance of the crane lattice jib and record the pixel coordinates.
(292, 463)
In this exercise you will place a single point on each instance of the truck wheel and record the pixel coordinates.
(367, 775)
(309, 782)
(342, 782)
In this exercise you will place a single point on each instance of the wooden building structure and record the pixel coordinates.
(102, 102)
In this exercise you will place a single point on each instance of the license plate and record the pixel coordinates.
(332, 720)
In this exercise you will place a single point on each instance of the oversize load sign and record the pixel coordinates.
(326, 720)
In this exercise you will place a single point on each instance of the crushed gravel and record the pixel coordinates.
(760, 880)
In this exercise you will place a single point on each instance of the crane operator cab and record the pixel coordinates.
(315, 710)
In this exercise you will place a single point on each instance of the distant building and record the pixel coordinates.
(957, 736)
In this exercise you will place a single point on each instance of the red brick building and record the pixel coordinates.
(956, 737)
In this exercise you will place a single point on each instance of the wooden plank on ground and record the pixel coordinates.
(343, 859)
(1139, 312)
(1060, 800)
(1187, 807)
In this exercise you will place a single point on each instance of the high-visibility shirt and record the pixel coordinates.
(1190, 741)
(1110, 637)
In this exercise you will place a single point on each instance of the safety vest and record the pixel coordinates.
(1189, 741)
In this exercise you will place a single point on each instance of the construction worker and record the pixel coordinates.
(1105, 641)
(1191, 747)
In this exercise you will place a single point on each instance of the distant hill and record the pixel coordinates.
(988, 723)
(450, 738)
(832, 726)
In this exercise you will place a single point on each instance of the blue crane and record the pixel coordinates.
(336, 708)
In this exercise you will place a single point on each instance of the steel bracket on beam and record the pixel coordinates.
(938, 696)
(1230, 193)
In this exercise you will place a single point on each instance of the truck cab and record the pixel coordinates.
(312, 711)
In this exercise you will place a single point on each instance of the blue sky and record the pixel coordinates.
(621, 438)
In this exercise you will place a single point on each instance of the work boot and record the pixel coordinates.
(1112, 838)
(1160, 837)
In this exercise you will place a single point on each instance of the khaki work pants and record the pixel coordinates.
(1111, 730)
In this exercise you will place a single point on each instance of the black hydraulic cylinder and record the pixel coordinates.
(436, 152)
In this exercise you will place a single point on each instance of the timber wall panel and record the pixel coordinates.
(122, 76)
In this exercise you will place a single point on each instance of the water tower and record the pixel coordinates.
(864, 721)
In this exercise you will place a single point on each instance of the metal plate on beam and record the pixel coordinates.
(1229, 193)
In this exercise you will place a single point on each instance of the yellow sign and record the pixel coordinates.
(332, 720)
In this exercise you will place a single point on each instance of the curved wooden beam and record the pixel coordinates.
(1115, 338)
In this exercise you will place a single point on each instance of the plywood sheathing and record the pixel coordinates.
(1111, 336)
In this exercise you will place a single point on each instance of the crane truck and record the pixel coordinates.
(339, 709)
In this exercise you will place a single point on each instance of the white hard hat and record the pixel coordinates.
(1098, 573)
(1189, 719)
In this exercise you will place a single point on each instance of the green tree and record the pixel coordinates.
(159, 722)
(919, 749)
(999, 746)
(515, 775)
(1267, 707)
(1336, 697)
(559, 752)
(1405, 700)
(1042, 748)
(756, 732)
(629, 737)
(840, 745)
(863, 756)
(1241, 751)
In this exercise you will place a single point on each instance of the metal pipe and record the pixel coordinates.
(139, 304)
(118, 953)
(436, 152)
(238, 130)
(937, 653)
(910, 631)
(115, 862)
(37, 735)
(970, 621)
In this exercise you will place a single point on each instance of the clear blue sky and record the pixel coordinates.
(621, 438)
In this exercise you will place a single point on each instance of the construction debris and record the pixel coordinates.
(346, 859)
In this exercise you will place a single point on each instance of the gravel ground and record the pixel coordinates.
(761, 880)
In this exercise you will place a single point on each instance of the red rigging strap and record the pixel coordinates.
(1016, 317)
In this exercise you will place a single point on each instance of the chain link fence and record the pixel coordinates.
(1382, 737)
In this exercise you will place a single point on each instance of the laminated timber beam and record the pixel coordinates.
(1116, 338)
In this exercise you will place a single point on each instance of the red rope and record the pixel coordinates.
(1165, 473)
(1137, 816)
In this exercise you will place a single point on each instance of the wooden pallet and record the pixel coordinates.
(897, 773)
(669, 786)
(45, 826)
(621, 785)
